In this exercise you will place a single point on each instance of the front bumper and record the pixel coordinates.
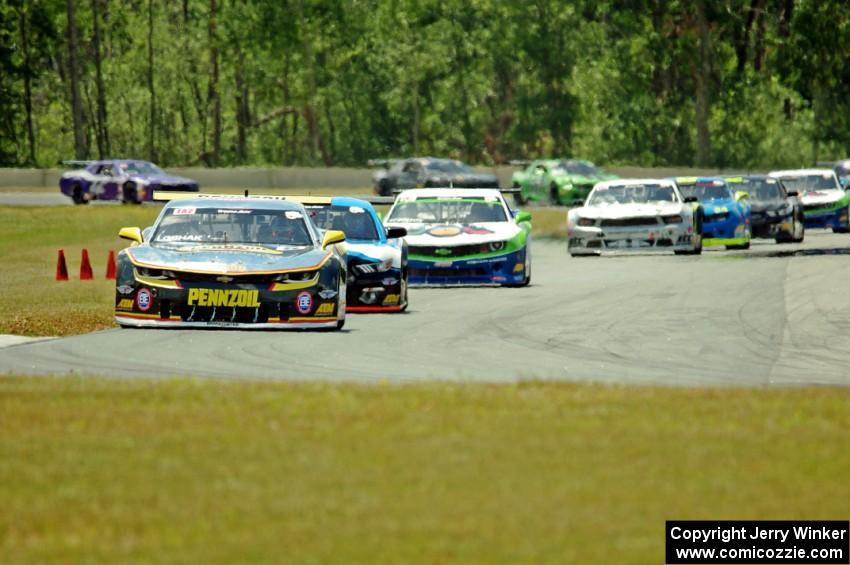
(219, 305)
(770, 227)
(593, 240)
(732, 231)
(835, 219)
(375, 292)
(498, 270)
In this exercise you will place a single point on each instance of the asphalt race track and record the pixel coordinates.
(773, 315)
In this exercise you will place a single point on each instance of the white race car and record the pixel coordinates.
(635, 215)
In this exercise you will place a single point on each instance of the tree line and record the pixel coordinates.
(720, 83)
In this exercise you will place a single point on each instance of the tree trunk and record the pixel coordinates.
(79, 119)
(416, 118)
(212, 90)
(243, 118)
(702, 77)
(102, 129)
(28, 72)
(151, 89)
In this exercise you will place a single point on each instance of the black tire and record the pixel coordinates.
(554, 197)
(738, 247)
(519, 198)
(340, 324)
(405, 292)
(384, 188)
(77, 195)
(130, 193)
(800, 239)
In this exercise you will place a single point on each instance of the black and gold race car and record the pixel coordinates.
(222, 261)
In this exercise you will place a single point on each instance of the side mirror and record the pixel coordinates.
(691, 199)
(792, 193)
(332, 237)
(523, 216)
(133, 234)
(741, 195)
(395, 232)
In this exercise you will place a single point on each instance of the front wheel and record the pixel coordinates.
(77, 195)
(554, 196)
(519, 197)
(802, 225)
(130, 193)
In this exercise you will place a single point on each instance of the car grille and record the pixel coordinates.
(809, 207)
(455, 251)
(259, 280)
(259, 315)
(716, 217)
(630, 222)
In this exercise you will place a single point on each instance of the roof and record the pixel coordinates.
(801, 172)
(634, 182)
(236, 202)
(449, 193)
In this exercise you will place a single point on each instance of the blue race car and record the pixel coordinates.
(726, 214)
(127, 180)
(825, 202)
(377, 256)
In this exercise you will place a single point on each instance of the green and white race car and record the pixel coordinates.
(556, 181)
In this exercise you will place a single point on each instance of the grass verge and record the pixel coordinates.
(209, 471)
(33, 303)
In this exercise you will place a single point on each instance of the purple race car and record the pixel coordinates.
(119, 179)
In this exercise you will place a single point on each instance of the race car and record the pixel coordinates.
(463, 236)
(726, 216)
(419, 172)
(377, 257)
(556, 181)
(775, 213)
(231, 262)
(130, 181)
(635, 215)
(825, 203)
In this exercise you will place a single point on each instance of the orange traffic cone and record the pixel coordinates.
(110, 266)
(85, 267)
(61, 267)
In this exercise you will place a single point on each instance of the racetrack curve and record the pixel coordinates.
(773, 315)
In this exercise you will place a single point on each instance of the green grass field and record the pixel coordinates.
(118, 471)
(33, 303)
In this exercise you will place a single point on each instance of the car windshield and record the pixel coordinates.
(355, 221)
(460, 210)
(763, 189)
(578, 168)
(712, 190)
(232, 226)
(632, 194)
(810, 183)
(446, 166)
(142, 168)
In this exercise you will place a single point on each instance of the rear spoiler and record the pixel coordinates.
(519, 162)
(502, 190)
(384, 163)
(76, 163)
(169, 195)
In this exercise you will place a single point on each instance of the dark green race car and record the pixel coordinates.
(556, 181)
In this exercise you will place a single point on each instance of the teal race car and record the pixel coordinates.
(556, 181)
